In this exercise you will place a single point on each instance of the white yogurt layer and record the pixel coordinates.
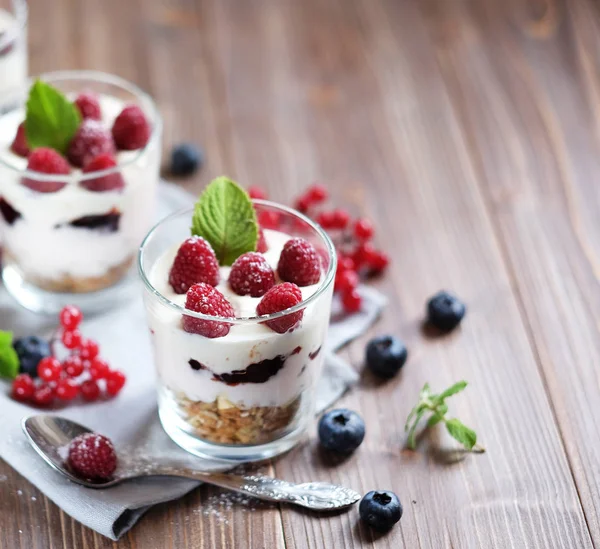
(13, 62)
(43, 243)
(244, 345)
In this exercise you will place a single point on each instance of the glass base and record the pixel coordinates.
(41, 301)
(179, 431)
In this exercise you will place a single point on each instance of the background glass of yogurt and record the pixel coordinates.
(76, 245)
(251, 394)
(13, 51)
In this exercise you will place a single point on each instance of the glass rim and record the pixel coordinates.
(20, 15)
(323, 285)
(104, 78)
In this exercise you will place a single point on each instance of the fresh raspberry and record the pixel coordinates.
(279, 298)
(115, 381)
(43, 395)
(251, 275)
(269, 219)
(88, 106)
(90, 390)
(49, 369)
(346, 281)
(73, 366)
(203, 298)
(363, 255)
(110, 182)
(345, 263)
(299, 263)
(70, 317)
(92, 456)
(317, 193)
(91, 140)
(351, 301)
(303, 204)
(340, 219)
(71, 339)
(67, 389)
(257, 192)
(98, 368)
(89, 349)
(363, 229)
(261, 245)
(131, 130)
(326, 219)
(23, 388)
(46, 161)
(19, 145)
(195, 262)
(378, 261)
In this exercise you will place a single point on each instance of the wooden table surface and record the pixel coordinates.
(470, 131)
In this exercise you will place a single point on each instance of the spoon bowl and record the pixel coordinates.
(50, 436)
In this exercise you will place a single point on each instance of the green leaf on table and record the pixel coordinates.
(462, 433)
(9, 360)
(452, 390)
(51, 120)
(412, 440)
(224, 215)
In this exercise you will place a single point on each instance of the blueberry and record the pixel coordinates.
(31, 350)
(341, 431)
(445, 311)
(185, 159)
(380, 509)
(386, 355)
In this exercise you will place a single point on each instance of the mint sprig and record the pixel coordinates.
(435, 407)
(9, 360)
(51, 120)
(224, 215)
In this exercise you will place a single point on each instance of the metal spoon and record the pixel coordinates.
(51, 435)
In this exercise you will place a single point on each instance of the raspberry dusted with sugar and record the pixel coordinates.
(110, 182)
(195, 262)
(91, 140)
(279, 298)
(131, 130)
(299, 263)
(50, 162)
(88, 105)
(92, 456)
(261, 245)
(203, 298)
(251, 275)
(19, 145)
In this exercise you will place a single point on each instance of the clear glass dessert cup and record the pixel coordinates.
(72, 243)
(13, 51)
(251, 394)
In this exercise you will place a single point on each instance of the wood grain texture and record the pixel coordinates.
(468, 129)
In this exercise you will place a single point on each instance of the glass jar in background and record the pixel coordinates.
(13, 51)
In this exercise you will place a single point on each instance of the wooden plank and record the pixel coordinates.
(534, 124)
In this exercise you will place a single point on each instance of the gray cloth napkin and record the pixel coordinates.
(131, 419)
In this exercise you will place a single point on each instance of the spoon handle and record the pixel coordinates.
(318, 496)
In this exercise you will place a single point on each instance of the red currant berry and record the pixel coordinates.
(363, 229)
(43, 395)
(340, 219)
(317, 193)
(67, 389)
(326, 220)
(49, 369)
(257, 192)
(378, 261)
(73, 366)
(72, 339)
(346, 281)
(303, 204)
(23, 388)
(89, 349)
(115, 381)
(269, 219)
(70, 317)
(98, 368)
(351, 301)
(90, 390)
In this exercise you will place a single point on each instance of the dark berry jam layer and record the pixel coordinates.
(9, 214)
(108, 222)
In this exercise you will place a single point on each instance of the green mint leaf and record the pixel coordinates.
(462, 433)
(9, 361)
(412, 439)
(224, 215)
(51, 120)
(434, 420)
(452, 390)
